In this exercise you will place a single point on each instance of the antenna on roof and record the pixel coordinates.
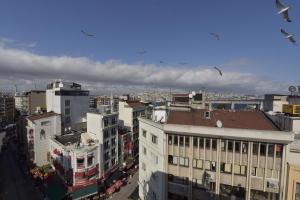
(219, 124)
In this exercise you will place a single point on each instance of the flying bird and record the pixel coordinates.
(87, 34)
(220, 72)
(216, 35)
(141, 52)
(289, 36)
(284, 10)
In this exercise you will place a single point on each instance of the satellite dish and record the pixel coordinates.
(292, 89)
(219, 124)
(190, 96)
(193, 93)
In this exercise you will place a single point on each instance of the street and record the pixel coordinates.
(15, 185)
(129, 190)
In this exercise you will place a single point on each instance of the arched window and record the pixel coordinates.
(42, 134)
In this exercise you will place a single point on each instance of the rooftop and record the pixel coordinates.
(135, 104)
(41, 116)
(69, 138)
(230, 119)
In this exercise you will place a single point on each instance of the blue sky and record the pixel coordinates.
(169, 30)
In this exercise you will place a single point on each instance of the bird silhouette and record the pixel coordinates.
(288, 36)
(141, 52)
(87, 34)
(284, 10)
(220, 72)
(216, 35)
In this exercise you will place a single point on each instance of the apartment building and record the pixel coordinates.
(112, 102)
(274, 102)
(39, 130)
(75, 157)
(28, 102)
(207, 154)
(104, 128)
(69, 100)
(7, 109)
(129, 111)
(125, 146)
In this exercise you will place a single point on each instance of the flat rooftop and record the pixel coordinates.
(41, 116)
(69, 138)
(255, 120)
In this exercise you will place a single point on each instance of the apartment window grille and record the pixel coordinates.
(271, 150)
(214, 144)
(245, 147)
(175, 140)
(201, 143)
(144, 133)
(237, 146)
(181, 140)
(262, 149)
(223, 145)
(230, 145)
(207, 143)
(255, 148)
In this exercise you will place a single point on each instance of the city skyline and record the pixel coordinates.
(179, 52)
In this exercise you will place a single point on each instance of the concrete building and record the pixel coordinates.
(69, 100)
(193, 99)
(203, 154)
(125, 146)
(75, 157)
(40, 129)
(106, 101)
(104, 128)
(129, 111)
(274, 102)
(28, 102)
(7, 109)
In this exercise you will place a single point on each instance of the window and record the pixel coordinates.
(201, 143)
(214, 144)
(80, 162)
(175, 140)
(105, 122)
(245, 147)
(170, 139)
(262, 149)
(268, 173)
(106, 134)
(240, 170)
(106, 156)
(154, 139)
(46, 123)
(255, 148)
(195, 141)
(271, 150)
(106, 166)
(173, 160)
(198, 163)
(113, 120)
(197, 183)
(210, 165)
(90, 158)
(230, 145)
(143, 166)
(67, 111)
(113, 131)
(144, 151)
(113, 162)
(42, 134)
(181, 140)
(278, 149)
(184, 161)
(67, 102)
(144, 133)
(106, 144)
(113, 152)
(237, 146)
(207, 143)
(187, 141)
(113, 141)
(154, 158)
(68, 120)
(226, 168)
(297, 192)
(223, 145)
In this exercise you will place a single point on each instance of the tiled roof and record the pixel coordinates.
(135, 104)
(41, 116)
(238, 119)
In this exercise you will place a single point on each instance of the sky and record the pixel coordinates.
(41, 41)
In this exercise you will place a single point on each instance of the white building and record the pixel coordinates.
(69, 100)
(274, 102)
(104, 128)
(205, 154)
(129, 111)
(40, 129)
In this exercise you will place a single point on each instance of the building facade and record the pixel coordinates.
(69, 100)
(239, 155)
(7, 109)
(40, 129)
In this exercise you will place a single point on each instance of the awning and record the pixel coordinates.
(84, 192)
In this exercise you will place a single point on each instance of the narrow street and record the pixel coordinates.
(14, 184)
(129, 190)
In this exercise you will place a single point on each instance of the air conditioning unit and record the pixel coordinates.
(273, 184)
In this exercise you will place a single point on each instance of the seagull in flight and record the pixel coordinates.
(289, 36)
(216, 35)
(220, 72)
(141, 52)
(87, 34)
(284, 10)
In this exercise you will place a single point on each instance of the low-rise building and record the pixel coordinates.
(40, 129)
(203, 154)
(274, 102)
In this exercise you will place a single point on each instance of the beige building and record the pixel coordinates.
(274, 102)
(239, 155)
(129, 111)
(29, 102)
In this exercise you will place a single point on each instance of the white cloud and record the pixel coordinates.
(21, 65)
